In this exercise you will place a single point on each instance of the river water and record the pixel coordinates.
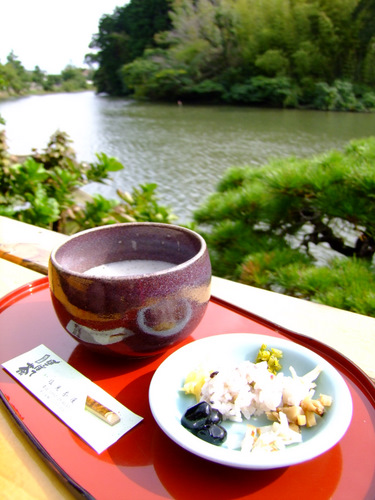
(184, 149)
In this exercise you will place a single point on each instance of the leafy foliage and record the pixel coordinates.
(122, 37)
(13, 76)
(16, 80)
(345, 284)
(73, 79)
(44, 190)
(273, 226)
(278, 53)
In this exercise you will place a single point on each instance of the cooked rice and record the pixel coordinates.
(249, 389)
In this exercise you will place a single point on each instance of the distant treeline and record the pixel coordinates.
(16, 80)
(291, 53)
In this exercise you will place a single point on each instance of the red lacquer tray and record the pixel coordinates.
(145, 463)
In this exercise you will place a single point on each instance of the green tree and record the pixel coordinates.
(52, 82)
(123, 36)
(73, 79)
(14, 79)
(268, 226)
(222, 49)
(38, 76)
(364, 20)
(152, 77)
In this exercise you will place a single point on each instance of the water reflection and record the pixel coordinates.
(184, 149)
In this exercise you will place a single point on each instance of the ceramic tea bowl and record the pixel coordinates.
(131, 289)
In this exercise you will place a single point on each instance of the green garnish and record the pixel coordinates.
(272, 357)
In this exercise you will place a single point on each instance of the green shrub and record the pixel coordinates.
(44, 190)
(268, 226)
(273, 63)
(345, 283)
(261, 90)
(341, 96)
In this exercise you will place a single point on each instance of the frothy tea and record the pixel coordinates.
(129, 268)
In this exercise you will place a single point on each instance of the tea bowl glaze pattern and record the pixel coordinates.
(134, 315)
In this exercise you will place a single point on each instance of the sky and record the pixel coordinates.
(50, 34)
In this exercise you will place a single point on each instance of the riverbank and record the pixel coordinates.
(185, 149)
(40, 92)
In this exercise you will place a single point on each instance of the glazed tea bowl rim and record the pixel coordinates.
(86, 275)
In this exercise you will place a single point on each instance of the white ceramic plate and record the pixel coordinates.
(168, 403)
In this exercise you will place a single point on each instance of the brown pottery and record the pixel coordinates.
(131, 315)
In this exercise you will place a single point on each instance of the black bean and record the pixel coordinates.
(195, 418)
(215, 416)
(213, 434)
(203, 421)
